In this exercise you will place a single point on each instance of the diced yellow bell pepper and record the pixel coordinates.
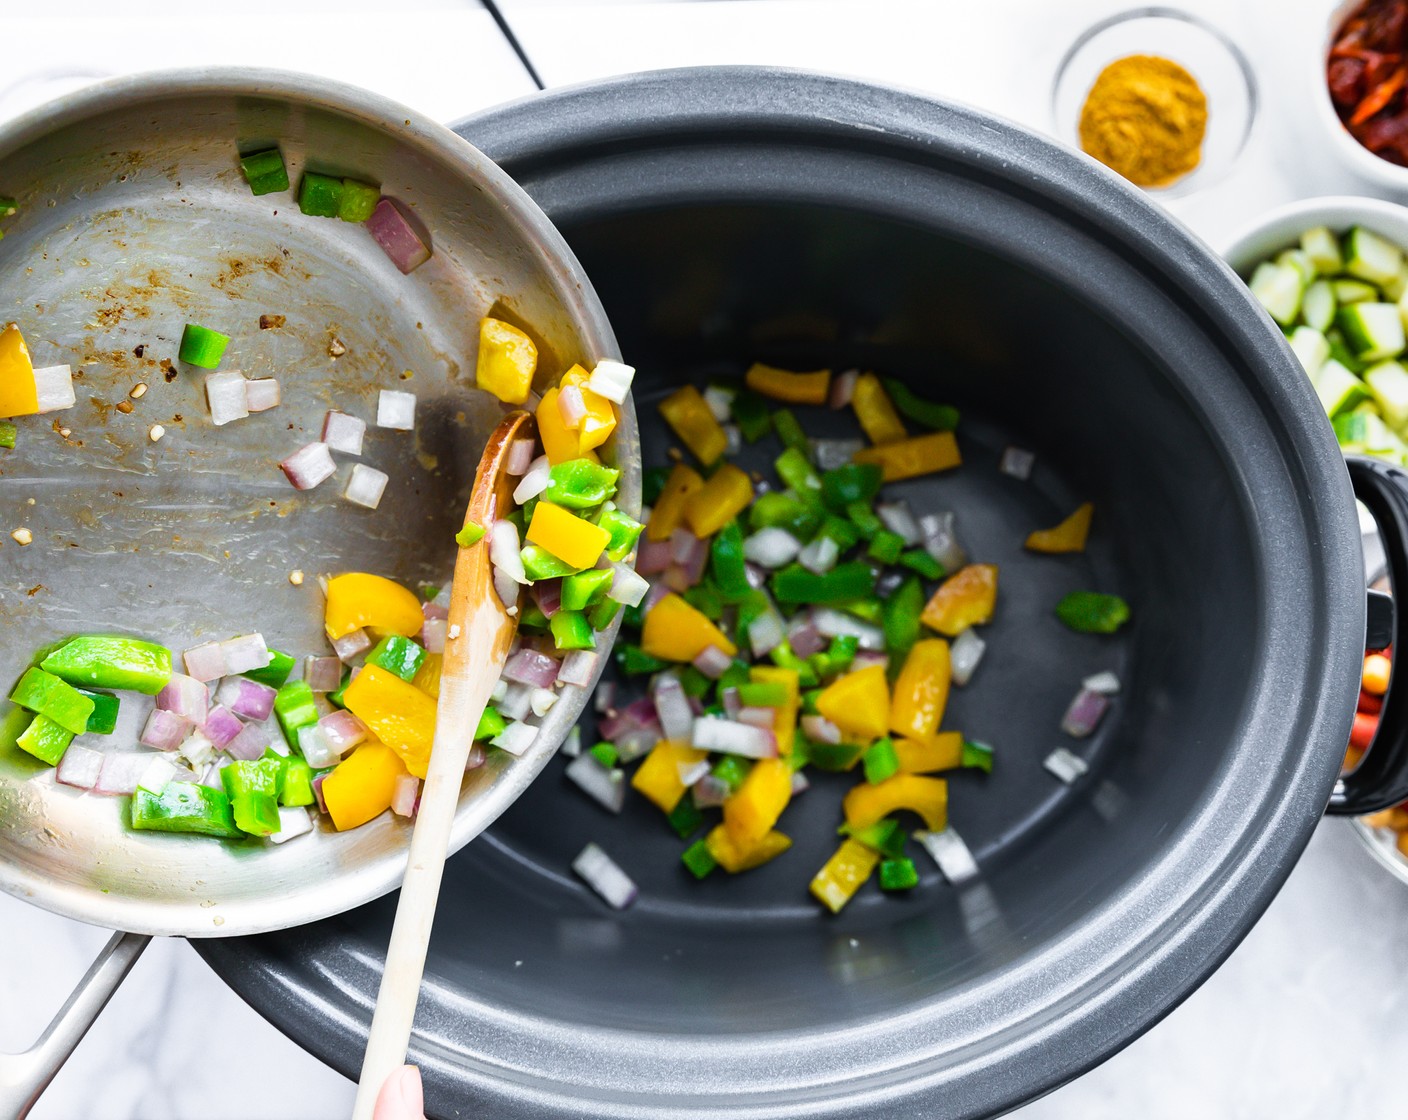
(560, 443)
(667, 513)
(675, 631)
(784, 720)
(362, 785)
(943, 752)
(843, 874)
(734, 859)
(18, 394)
(865, 804)
(397, 712)
(728, 493)
(858, 703)
(570, 538)
(876, 412)
(965, 599)
(427, 677)
(658, 777)
(751, 812)
(921, 690)
(908, 458)
(507, 361)
(686, 411)
(600, 420)
(1069, 536)
(359, 600)
(784, 385)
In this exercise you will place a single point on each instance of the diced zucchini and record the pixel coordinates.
(1373, 330)
(1371, 257)
(1311, 347)
(1388, 382)
(1317, 308)
(1338, 389)
(1394, 289)
(1294, 258)
(1278, 289)
(1323, 249)
(1341, 352)
(1354, 291)
(1351, 431)
(1380, 440)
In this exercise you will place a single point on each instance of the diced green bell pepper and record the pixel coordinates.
(727, 564)
(103, 721)
(531, 616)
(7, 434)
(1091, 612)
(358, 200)
(731, 770)
(652, 484)
(880, 761)
(939, 417)
(45, 740)
(603, 614)
(842, 652)
(751, 413)
(606, 754)
(47, 695)
(898, 875)
(783, 657)
(699, 859)
(625, 530)
(635, 662)
(398, 655)
(295, 708)
(976, 755)
(104, 661)
(854, 482)
(319, 196)
(336, 698)
(186, 807)
(580, 484)
(265, 171)
(919, 561)
(470, 535)
(585, 589)
(571, 630)
(885, 837)
(867, 523)
(705, 598)
(491, 725)
(539, 563)
(784, 510)
(796, 470)
(298, 783)
(202, 347)
(253, 789)
(900, 620)
(276, 672)
(886, 547)
(762, 694)
(790, 431)
(795, 584)
(833, 756)
(695, 684)
(843, 532)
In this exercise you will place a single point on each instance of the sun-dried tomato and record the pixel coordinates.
(1368, 77)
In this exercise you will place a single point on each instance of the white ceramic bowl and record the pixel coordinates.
(1359, 159)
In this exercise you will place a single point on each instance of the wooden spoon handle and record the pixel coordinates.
(480, 633)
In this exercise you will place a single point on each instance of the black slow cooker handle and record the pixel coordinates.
(1381, 779)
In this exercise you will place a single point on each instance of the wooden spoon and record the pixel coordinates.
(479, 635)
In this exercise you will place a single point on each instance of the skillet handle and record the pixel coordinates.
(23, 1077)
(1381, 779)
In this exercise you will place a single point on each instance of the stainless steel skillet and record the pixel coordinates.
(133, 220)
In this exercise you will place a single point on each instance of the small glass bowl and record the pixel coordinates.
(1214, 60)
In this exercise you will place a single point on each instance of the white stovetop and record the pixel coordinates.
(1309, 1018)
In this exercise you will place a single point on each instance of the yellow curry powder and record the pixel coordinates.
(1145, 118)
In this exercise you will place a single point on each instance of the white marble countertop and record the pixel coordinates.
(1309, 1016)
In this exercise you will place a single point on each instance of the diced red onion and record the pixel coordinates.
(221, 726)
(682, 546)
(432, 635)
(607, 787)
(205, 663)
(322, 674)
(820, 729)
(710, 792)
(250, 743)
(571, 407)
(1065, 765)
(578, 668)
(602, 874)
(604, 699)
(342, 731)
(731, 701)
(691, 772)
(248, 651)
(657, 592)
(950, 853)
(771, 547)
(611, 379)
(897, 518)
(350, 645)
(1017, 462)
(532, 668)
(730, 737)
(733, 439)
(515, 704)
(541, 701)
(365, 486)
(121, 772)
(294, 821)
(185, 696)
(964, 655)
(279, 747)
(820, 556)
(433, 610)
(507, 589)
(843, 387)
(868, 658)
(225, 394)
(694, 565)
(755, 716)
(941, 542)
(534, 480)
(676, 579)
(504, 552)
(653, 557)
(262, 393)
(197, 749)
(888, 582)
(765, 633)
(839, 624)
(1105, 683)
(1084, 714)
(309, 466)
(519, 458)
(317, 751)
(396, 410)
(398, 239)
(719, 401)
(672, 708)
(757, 577)
(636, 744)
(211, 775)
(547, 593)
(156, 775)
(164, 730)
(804, 638)
(832, 453)
(246, 698)
(80, 767)
(404, 794)
(800, 784)
(53, 388)
(477, 756)
(713, 662)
